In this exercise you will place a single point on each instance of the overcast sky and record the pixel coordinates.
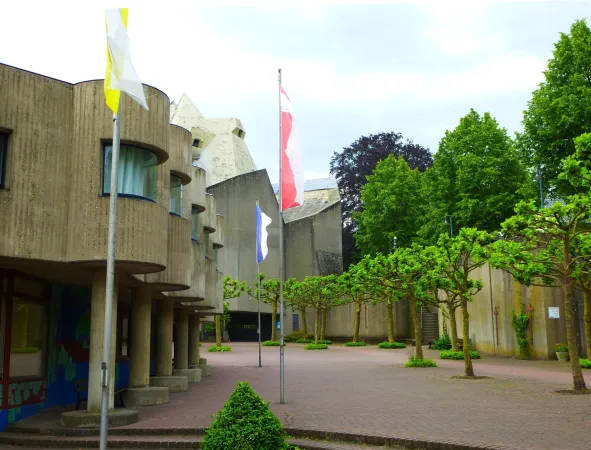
(350, 70)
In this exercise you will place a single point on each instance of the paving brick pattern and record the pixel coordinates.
(367, 391)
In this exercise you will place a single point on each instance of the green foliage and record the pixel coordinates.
(477, 178)
(210, 327)
(297, 336)
(272, 343)
(560, 109)
(562, 348)
(520, 324)
(442, 343)
(459, 355)
(316, 347)
(585, 363)
(245, 423)
(420, 362)
(222, 348)
(324, 341)
(304, 341)
(391, 345)
(23, 350)
(355, 344)
(393, 206)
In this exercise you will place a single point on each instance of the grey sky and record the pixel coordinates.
(350, 70)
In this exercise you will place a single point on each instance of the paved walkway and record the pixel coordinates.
(367, 390)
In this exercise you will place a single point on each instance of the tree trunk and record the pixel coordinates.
(573, 350)
(468, 371)
(416, 318)
(587, 314)
(389, 308)
(357, 320)
(323, 327)
(304, 322)
(274, 319)
(453, 329)
(218, 330)
(316, 325)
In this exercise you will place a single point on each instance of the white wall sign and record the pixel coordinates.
(553, 312)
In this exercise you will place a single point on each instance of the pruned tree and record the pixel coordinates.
(352, 289)
(317, 292)
(232, 289)
(270, 294)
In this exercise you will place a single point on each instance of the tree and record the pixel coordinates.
(542, 255)
(317, 292)
(560, 109)
(351, 288)
(232, 289)
(393, 207)
(293, 301)
(355, 163)
(477, 178)
(270, 294)
(458, 258)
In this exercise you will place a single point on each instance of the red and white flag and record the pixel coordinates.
(292, 179)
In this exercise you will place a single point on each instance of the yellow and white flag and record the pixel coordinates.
(120, 76)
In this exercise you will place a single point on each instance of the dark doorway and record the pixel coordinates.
(243, 327)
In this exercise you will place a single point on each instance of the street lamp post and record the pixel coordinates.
(394, 242)
(451, 226)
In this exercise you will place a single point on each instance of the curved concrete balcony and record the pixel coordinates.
(208, 219)
(179, 147)
(196, 191)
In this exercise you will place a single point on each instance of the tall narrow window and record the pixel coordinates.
(194, 224)
(296, 322)
(176, 195)
(27, 339)
(3, 152)
(206, 243)
(138, 172)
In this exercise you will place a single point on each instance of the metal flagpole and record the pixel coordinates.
(110, 279)
(259, 300)
(281, 250)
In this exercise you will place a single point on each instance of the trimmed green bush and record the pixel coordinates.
(246, 423)
(391, 345)
(223, 348)
(23, 350)
(415, 362)
(316, 347)
(296, 336)
(585, 363)
(324, 341)
(272, 344)
(355, 344)
(304, 341)
(443, 343)
(459, 355)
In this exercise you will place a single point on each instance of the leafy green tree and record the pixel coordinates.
(352, 290)
(560, 109)
(477, 178)
(351, 167)
(458, 258)
(393, 207)
(232, 289)
(317, 292)
(542, 254)
(292, 300)
(270, 294)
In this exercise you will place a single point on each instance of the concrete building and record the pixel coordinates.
(55, 147)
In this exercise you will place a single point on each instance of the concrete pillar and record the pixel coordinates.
(141, 321)
(194, 324)
(97, 327)
(181, 341)
(164, 340)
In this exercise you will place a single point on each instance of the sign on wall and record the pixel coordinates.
(553, 312)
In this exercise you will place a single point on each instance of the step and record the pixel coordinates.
(312, 444)
(143, 442)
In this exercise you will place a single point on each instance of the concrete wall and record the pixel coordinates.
(500, 291)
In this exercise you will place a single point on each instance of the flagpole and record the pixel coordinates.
(259, 301)
(105, 376)
(281, 250)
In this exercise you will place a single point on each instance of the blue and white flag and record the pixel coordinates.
(263, 221)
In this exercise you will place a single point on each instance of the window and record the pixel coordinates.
(194, 223)
(138, 172)
(176, 195)
(296, 322)
(196, 142)
(3, 152)
(27, 338)
(206, 243)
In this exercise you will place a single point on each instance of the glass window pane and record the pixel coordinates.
(27, 339)
(195, 223)
(176, 195)
(138, 172)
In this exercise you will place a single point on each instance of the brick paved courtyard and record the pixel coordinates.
(368, 390)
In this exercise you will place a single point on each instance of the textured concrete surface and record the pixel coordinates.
(145, 396)
(86, 419)
(174, 384)
(193, 375)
